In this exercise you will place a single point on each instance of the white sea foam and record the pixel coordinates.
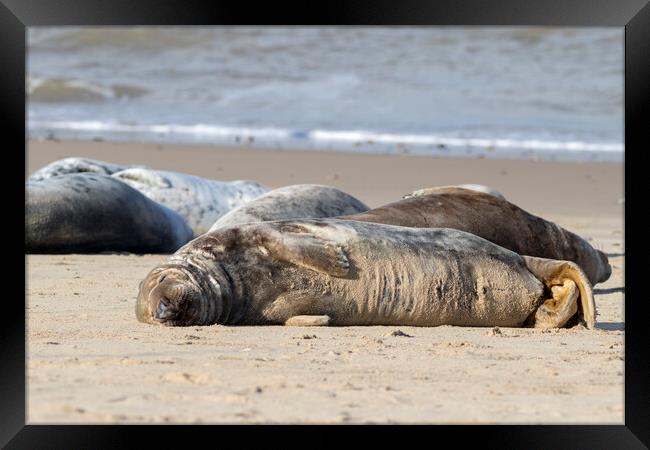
(198, 130)
(326, 138)
(430, 139)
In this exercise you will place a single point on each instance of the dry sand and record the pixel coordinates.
(90, 361)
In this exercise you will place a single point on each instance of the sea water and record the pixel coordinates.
(551, 93)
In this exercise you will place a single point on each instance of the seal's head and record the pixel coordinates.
(175, 295)
(606, 268)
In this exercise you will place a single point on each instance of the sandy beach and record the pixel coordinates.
(90, 361)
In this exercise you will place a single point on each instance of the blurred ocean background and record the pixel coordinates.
(550, 93)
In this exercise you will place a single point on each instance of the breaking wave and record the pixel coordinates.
(60, 90)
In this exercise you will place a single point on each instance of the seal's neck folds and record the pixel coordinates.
(216, 298)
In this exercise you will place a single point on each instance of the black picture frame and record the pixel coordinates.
(633, 15)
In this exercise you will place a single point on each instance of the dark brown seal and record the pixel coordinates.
(494, 219)
(344, 272)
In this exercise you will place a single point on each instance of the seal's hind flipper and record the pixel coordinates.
(308, 321)
(431, 190)
(453, 189)
(556, 311)
(303, 248)
(562, 278)
(418, 193)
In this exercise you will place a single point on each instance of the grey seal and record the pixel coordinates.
(75, 164)
(85, 213)
(492, 218)
(344, 272)
(293, 202)
(199, 201)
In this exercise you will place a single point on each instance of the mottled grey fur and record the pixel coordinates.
(72, 165)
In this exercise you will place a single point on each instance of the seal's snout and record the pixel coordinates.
(607, 268)
(169, 296)
(165, 311)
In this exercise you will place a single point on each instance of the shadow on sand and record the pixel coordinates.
(609, 290)
(611, 326)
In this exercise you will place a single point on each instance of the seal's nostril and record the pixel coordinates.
(165, 312)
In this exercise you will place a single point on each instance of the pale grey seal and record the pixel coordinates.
(197, 200)
(344, 272)
(72, 165)
(494, 219)
(85, 213)
(293, 202)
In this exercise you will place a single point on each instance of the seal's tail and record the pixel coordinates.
(556, 273)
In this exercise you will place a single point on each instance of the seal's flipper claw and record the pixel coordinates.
(562, 278)
(308, 321)
(556, 311)
(307, 250)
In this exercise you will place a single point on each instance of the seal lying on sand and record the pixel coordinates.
(293, 202)
(494, 219)
(197, 200)
(93, 213)
(344, 272)
(76, 165)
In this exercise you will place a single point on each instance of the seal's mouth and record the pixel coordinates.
(171, 303)
(166, 297)
(175, 295)
(166, 311)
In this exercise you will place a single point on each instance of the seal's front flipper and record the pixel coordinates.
(145, 177)
(567, 283)
(308, 321)
(305, 249)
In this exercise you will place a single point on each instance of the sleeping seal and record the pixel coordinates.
(84, 213)
(494, 219)
(197, 200)
(293, 202)
(67, 166)
(344, 272)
